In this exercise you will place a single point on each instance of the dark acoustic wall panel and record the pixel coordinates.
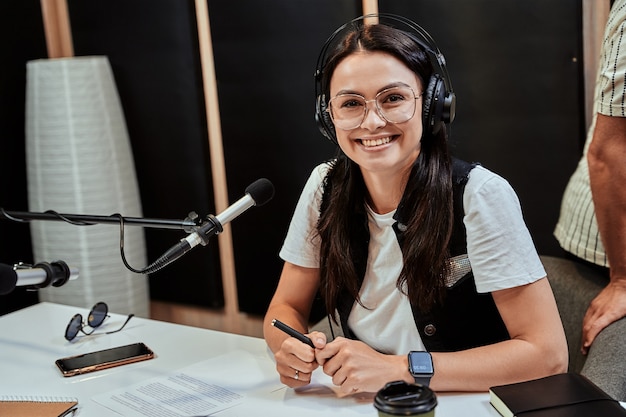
(21, 28)
(265, 56)
(153, 49)
(516, 67)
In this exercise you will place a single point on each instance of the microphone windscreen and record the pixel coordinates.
(8, 279)
(261, 191)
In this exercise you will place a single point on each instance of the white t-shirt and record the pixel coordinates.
(500, 250)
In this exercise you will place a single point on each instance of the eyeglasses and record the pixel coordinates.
(395, 105)
(97, 315)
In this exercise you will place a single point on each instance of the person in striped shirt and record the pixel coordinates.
(592, 223)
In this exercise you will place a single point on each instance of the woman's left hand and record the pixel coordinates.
(356, 367)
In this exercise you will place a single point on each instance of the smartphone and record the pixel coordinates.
(103, 359)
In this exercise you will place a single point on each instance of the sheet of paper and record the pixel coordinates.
(201, 389)
(319, 398)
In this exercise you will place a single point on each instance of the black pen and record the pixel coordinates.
(292, 332)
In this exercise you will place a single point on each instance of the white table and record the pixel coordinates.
(32, 339)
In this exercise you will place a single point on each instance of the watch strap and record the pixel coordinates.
(422, 380)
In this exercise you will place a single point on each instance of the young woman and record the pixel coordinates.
(414, 251)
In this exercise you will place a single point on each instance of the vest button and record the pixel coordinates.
(430, 329)
(402, 227)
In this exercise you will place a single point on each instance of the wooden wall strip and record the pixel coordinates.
(57, 28)
(595, 14)
(370, 6)
(218, 168)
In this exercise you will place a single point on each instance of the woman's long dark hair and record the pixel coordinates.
(426, 205)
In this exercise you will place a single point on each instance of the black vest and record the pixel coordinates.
(465, 319)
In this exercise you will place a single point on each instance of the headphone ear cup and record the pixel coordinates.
(434, 97)
(322, 117)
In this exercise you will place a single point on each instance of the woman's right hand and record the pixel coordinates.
(295, 361)
(291, 304)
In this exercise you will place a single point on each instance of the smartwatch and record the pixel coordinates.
(421, 366)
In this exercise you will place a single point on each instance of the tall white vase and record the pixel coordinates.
(79, 161)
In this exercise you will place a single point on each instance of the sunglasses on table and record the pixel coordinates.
(97, 315)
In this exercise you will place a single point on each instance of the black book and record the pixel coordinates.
(561, 395)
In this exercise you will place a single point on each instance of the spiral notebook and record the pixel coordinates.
(20, 406)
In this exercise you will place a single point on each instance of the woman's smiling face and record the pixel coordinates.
(377, 145)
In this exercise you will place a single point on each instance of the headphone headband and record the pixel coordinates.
(439, 98)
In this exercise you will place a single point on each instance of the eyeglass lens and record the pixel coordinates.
(74, 326)
(97, 314)
(395, 105)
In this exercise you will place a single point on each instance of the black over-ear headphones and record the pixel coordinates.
(439, 98)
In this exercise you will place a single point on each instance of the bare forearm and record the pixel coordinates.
(290, 306)
(356, 366)
(502, 363)
(607, 174)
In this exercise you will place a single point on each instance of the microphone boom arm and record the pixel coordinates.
(191, 224)
(257, 193)
(188, 225)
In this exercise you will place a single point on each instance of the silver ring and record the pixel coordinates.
(297, 375)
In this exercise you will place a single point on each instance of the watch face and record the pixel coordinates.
(421, 363)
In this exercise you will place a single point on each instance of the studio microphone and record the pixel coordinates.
(36, 276)
(258, 193)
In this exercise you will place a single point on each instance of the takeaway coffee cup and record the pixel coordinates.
(400, 398)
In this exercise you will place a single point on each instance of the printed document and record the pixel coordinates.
(201, 389)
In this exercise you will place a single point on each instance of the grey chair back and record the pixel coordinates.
(575, 285)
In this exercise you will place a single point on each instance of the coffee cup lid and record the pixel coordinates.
(401, 398)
